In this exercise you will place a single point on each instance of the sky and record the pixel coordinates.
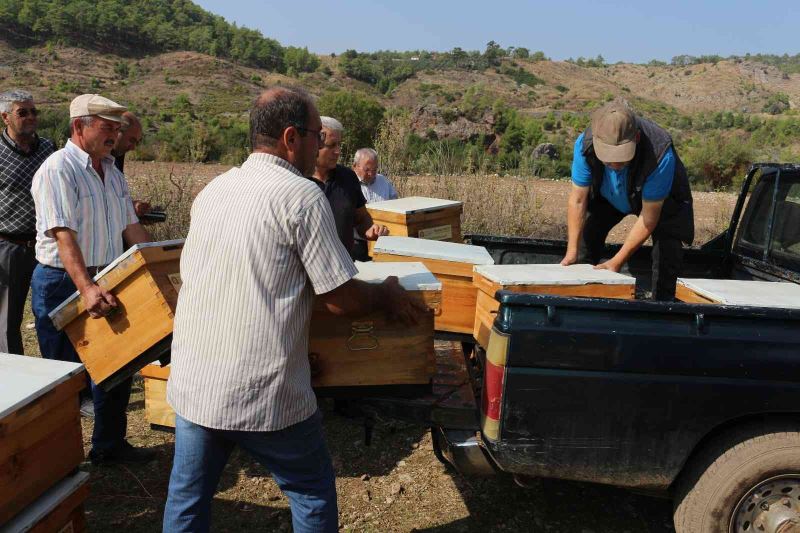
(630, 31)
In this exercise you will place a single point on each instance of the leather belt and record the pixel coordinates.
(20, 242)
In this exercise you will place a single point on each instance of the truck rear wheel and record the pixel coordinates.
(746, 480)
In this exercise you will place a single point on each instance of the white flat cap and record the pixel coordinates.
(96, 105)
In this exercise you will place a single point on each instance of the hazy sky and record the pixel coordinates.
(621, 31)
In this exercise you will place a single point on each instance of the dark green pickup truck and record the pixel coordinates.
(697, 402)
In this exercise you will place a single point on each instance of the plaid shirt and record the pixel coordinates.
(17, 213)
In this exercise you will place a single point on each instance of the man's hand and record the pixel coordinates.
(98, 301)
(399, 305)
(142, 208)
(570, 258)
(611, 264)
(375, 231)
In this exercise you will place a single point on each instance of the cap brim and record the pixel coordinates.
(114, 118)
(614, 153)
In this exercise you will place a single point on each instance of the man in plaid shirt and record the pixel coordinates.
(22, 151)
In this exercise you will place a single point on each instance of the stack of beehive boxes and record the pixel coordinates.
(41, 445)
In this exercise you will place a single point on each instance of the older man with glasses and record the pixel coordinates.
(343, 190)
(22, 152)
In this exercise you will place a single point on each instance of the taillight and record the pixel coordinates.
(494, 374)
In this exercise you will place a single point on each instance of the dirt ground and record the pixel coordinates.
(396, 484)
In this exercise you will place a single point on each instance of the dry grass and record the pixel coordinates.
(524, 207)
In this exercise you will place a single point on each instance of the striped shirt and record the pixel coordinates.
(68, 193)
(261, 242)
(379, 190)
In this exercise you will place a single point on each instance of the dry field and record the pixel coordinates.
(525, 207)
(396, 484)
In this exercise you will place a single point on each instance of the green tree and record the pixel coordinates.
(360, 115)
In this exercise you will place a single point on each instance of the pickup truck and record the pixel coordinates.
(698, 402)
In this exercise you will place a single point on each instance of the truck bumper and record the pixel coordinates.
(464, 450)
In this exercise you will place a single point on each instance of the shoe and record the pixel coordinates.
(124, 453)
(87, 408)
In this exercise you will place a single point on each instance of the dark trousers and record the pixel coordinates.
(49, 287)
(16, 266)
(360, 251)
(667, 249)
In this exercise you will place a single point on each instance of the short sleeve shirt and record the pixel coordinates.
(261, 243)
(69, 193)
(615, 182)
(343, 191)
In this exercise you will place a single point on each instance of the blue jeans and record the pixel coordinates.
(49, 287)
(296, 456)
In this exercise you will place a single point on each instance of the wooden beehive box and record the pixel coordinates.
(739, 292)
(157, 411)
(417, 216)
(573, 280)
(60, 509)
(452, 264)
(145, 280)
(40, 428)
(373, 350)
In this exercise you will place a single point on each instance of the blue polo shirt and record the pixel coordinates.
(615, 182)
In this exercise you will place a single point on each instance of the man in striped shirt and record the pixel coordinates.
(261, 244)
(84, 218)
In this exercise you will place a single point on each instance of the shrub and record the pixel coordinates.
(359, 114)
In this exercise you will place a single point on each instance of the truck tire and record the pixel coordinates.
(746, 479)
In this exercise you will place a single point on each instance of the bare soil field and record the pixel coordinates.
(396, 484)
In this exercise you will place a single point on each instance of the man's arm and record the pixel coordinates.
(97, 300)
(366, 228)
(357, 298)
(135, 234)
(576, 216)
(640, 232)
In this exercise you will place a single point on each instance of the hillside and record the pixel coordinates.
(184, 94)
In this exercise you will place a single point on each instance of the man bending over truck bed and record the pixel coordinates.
(625, 164)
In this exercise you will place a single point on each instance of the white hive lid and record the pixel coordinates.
(412, 204)
(412, 276)
(552, 275)
(46, 503)
(428, 249)
(748, 293)
(23, 379)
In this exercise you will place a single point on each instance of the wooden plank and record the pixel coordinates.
(59, 509)
(436, 266)
(485, 312)
(155, 372)
(687, 295)
(157, 411)
(459, 298)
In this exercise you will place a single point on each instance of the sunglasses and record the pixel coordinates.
(320, 134)
(24, 112)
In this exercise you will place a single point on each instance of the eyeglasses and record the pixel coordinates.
(24, 112)
(320, 134)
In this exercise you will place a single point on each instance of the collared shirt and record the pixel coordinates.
(344, 194)
(615, 182)
(17, 167)
(379, 190)
(261, 243)
(69, 193)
